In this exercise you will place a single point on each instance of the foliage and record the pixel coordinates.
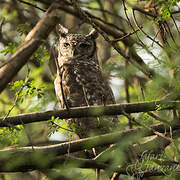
(26, 88)
(60, 125)
(11, 48)
(166, 8)
(23, 29)
(10, 136)
(41, 54)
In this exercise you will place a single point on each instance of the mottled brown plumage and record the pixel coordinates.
(82, 81)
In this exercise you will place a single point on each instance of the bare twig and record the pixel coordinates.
(125, 36)
(148, 128)
(107, 12)
(169, 29)
(135, 20)
(17, 96)
(53, 123)
(129, 22)
(32, 5)
(175, 23)
(145, 12)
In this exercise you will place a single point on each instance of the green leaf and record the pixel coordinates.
(11, 48)
(23, 29)
(17, 84)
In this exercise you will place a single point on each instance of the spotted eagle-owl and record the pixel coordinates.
(81, 81)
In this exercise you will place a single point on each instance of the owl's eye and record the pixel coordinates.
(84, 45)
(66, 44)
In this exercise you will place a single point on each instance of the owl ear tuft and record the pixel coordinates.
(62, 31)
(93, 34)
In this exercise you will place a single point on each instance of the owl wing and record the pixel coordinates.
(95, 86)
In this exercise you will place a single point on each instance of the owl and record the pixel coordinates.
(80, 81)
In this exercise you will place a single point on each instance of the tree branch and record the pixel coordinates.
(92, 111)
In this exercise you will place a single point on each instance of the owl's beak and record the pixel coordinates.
(74, 52)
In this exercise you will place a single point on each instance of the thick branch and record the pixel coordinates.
(93, 111)
(31, 43)
(86, 143)
(81, 144)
